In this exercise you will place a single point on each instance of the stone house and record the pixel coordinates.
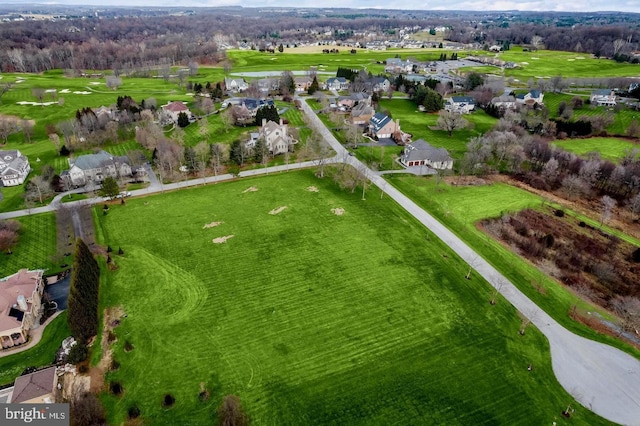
(20, 306)
(421, 153)
(97, 167)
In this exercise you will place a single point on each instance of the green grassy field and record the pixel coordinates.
(419, 125)
(42, 354)
(459, 208)
(36, 247)
(622, 119)
(549, 63)
(361, 320)
(613, 149)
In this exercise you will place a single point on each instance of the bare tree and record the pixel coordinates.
(498, 282)
(228, 119)
(193, 68)
(38, 93)
(608, 204)
(618, 45)
(113, 82)
(9, 234)
(320, 150)
(628, 310)
(202, 151)
(633, 204)
(353, 134)
(7, 128)
(218, 153)
(4, 89)
(536, 41)
(450, 121)
(38, 188)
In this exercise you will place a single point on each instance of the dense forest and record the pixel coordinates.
(130, 38)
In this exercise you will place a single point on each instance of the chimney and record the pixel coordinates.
(22, 303)
(281, 123)
(398, 124)
(264, 122)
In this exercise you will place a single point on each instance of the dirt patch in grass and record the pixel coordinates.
(313, 189)
(250, 189)
(221, 240)
(466, 181)
(211, 225)
(278, 210)
(338, 211)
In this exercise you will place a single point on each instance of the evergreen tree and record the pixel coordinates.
(82, 303)
(314, 87)
(190, 158)
(270, 112)
(109, 188)
(432, 101)
(183, 119)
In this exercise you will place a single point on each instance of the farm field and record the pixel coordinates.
(36, 247)
(613, 149)
(460, 207)
(12, 366)
(366, 319)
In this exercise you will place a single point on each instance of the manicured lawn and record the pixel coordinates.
(309, 317)
(549, 63)
(36, 247)
(459, 208)
(613, 149)
(419, 124)
(621, 119)
(42, 354)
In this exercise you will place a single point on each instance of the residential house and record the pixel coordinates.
(14, 167)
(461, 104)
(20, 306)
(95, 168)
(380, 84)
(382, 126)
(252, 105)
(337, 83)
(302, 83)
(35, 388)
(352, 100)
(398, 66)
(235, 85)
(504, 102)
(267, 85)
(421, 153)
(532, 98)
(604, 97)
(275, 135)
(173, 109)
(361, 113)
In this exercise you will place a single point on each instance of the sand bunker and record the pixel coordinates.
(312, 189)
(81, 93)
(221, 240)
(278, 210)
(570, 60)
(94, 83)
(338, 211)
(580, 57)
(65, 91)
(250, 189)
(50, 91)
(211, 225)
(36, 103)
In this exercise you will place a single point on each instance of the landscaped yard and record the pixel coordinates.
(311, 317)
(36, 247)
(613, 149)
(42, 354)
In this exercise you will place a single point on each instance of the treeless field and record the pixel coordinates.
(311, 318)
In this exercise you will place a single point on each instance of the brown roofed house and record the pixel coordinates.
(20, 306)
(38, 387)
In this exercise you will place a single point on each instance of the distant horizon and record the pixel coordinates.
(588, 6)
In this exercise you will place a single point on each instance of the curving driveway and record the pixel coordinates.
(600, 377)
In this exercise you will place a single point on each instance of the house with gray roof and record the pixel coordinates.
(461, 104)
(235, 85)
(14, 167)
(532, 98)
(421, 153)
(382, 126)
(97, 167)
(603, 97)
(337, 83)
(504, 102)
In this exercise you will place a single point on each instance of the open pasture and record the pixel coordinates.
(311, 317)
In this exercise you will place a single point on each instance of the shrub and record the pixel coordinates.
(116, 388)
(133, 412)
(168, 400)
(559, 213)
(78, 353)
(635, 256)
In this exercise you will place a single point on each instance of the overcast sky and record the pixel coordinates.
(555, 5)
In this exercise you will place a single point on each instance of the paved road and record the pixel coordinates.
(602, 378)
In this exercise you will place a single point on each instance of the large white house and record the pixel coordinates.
(275, 135)
(14, 168)
(604, 97)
